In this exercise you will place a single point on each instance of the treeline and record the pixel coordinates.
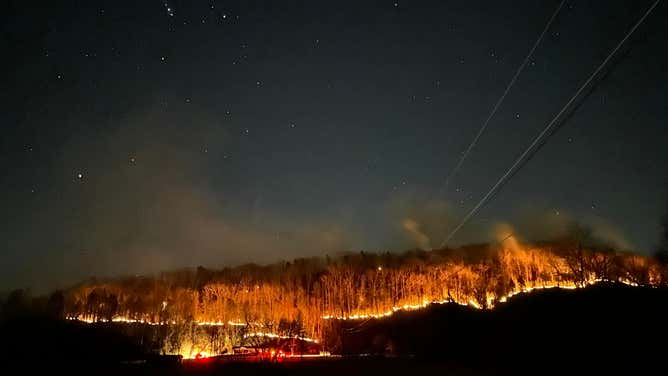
(300, 293)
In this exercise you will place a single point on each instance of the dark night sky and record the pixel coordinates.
(142, 136)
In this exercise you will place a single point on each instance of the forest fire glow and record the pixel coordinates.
(471, 303)
(278, 336)
(302, 298)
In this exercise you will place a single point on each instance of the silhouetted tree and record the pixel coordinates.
(16, 303)
(575, 253)
(55, 306)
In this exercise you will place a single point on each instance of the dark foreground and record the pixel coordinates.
(339, 366)
(606, 329)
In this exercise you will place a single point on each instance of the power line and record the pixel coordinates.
(500, 100)
(549, 125)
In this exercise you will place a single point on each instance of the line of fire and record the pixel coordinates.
(293, 308)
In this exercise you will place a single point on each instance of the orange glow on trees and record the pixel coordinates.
(298, 299)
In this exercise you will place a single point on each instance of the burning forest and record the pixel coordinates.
(212, 311)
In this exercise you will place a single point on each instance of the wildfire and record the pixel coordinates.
(278, 336)
(256, 302)
(362, 316)
(472, 303)
(117, 319)
(126, 320)
(220, 323)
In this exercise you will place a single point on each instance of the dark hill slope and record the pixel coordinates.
(604, 327)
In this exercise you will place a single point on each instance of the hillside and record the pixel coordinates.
(306, 297)
(606, 326)
(602, 328)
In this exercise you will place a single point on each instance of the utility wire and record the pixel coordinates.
(500, 100)
(549, 126)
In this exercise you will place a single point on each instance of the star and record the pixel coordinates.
(79, 176)
(517, 115)
(162, 58)
(169, 9)
(132, 159)
(292, 125)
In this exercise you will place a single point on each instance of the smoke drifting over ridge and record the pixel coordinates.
(413, 228)
(149, 203)
(426, 222)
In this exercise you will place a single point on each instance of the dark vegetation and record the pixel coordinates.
(34, 335)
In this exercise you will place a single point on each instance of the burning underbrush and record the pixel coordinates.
(213, 311)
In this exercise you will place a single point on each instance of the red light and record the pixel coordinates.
(201, 355)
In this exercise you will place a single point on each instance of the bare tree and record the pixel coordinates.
(575, 253)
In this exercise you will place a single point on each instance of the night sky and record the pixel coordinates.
(151, 135)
